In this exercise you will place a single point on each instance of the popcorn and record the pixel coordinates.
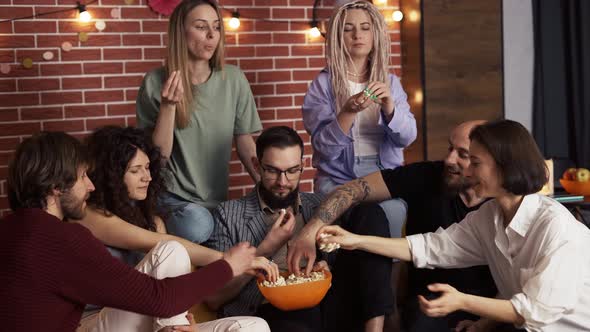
(330, 246)
(293, 280)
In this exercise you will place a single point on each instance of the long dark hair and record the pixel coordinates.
(42, 163)
(111, 149)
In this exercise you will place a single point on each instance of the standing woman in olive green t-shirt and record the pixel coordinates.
(196, 106)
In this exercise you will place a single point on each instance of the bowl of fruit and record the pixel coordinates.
(576, 181)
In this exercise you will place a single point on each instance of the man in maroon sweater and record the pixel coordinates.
(51, 268)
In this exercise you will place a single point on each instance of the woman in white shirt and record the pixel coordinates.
(536, 250)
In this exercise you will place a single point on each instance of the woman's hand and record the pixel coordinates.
(172, 91)
(271, 270)
(192, 327)
(337, 234)
(449, 301)
(382, 94)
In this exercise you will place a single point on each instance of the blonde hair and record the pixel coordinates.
(178, 54)
(337, 54)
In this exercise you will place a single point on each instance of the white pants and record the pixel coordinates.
(165, 260)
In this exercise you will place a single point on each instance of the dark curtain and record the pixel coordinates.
(561, 113)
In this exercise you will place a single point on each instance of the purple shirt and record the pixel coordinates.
(333, 149)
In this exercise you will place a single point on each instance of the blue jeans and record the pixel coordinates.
(395, 209)
(186, 219)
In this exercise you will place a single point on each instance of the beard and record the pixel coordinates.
(455, 182)
(276, 202)
(72, 207)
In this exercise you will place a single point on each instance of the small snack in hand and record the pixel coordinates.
(330, 246)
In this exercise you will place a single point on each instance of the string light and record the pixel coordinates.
(414, 16)
(397, 15)
(84, 15)
(314, 32)
(234, 21)
(380, 2)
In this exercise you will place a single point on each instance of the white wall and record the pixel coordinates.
(518, 61)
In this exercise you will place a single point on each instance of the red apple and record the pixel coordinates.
(582, 175)
(569, 174)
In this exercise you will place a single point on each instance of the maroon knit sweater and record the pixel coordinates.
(51, 269)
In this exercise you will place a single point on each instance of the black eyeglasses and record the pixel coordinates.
(271, 173)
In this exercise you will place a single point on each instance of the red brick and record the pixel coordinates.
(67, 14)
(77, 83)
(254, 38)
(252, 64)
(240, 180)
(34, 26)
(246, 25)
(60, 98)
(274, 76)
(141, 66)
(262, 89)
(266, 115)
(131, 94)
(239, 51)
(396, 48)
(154, 52)
(308, 50)
(80, 111)
(317, 62)
(8, 114)
(143, 39)
(276, 101)
(300, 26)
(41, 113)
(271, 26)
(237, 3)
(291, 88)
(288, 38)
(3, 173)
(56, 40)
(298, 100)
(11, 12)
(92, 124)
(289, 113)
(17, 41)
(290, 63)
(103, 68)
(123, 26)
(100, 12)
(38, 84)
(19, 128)
(35, 54)
(7, 56)
(236, 168)
(64, 125)
(122, 81)
(7, 85)
(76, 26)
(299, 125)
(131, 121)
(103, 96)
(255, 13)
(61, 69)
(17, 70)
(81, 54)
(305, 75)
(281, 13)
(267, 125)
(9, 143)
(251, 76)
(230, 39)
(96, 39)
(138, 12)
(232, 62)
(121, 53)
(154, 26)
(18, 99)
(262, 51)
(121, 109)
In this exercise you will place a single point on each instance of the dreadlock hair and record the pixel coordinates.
(338, 57)
(111, 148)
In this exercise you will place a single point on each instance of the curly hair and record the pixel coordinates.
(110, 150)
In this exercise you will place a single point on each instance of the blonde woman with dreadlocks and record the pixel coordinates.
(355, 110)
(196, 106)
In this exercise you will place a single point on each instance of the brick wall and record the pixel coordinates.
(96, 82)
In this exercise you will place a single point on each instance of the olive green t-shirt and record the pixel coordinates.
(223, 107)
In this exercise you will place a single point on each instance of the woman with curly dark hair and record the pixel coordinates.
(122, 213)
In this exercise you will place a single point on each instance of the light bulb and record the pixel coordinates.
(397, 16)
(85, 16)
(314, 32)
(414, 16)
(380, 2)
(234, 23)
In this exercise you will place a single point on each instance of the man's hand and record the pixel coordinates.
(449, 301)
(240, 257)
(271, 270)
(279, 234)
(303, 247)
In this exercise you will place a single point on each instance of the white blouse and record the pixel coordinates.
(367, 133)
(540, 262)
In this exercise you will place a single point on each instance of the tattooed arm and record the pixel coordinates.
(369, 188)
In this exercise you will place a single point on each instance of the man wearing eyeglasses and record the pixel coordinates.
(268, 217)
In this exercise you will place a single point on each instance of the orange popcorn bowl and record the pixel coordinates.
(576, 187)
(297, 296)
